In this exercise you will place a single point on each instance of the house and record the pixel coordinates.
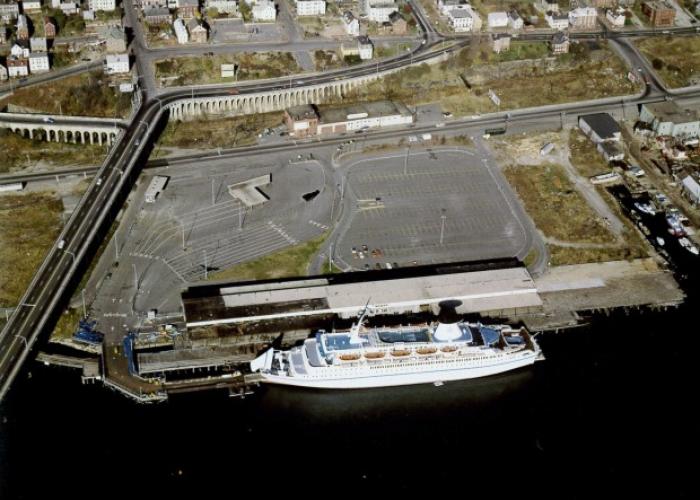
(9, 10)
(557, 21)
(364, 48)
(514, 20)
(229, 7)
(500, 42)
(159, 15)
(198, 32)
(660, 13)
(69, 8)
(115, 39)
(20, 49)
(39, 62)
(616, 18)
(611, 151)
(265, 11)
(378, 11)
(600, 127)
(22, 27)
(105, 5)
(351, 24)
(181, 31)
(583, 17)
(3, 73)
(31, 5)
(49, 28)
(463, 19)
(397, 25)
(301, 121)
(548, 6)
(311, 7)
(37, 44)
(17, 67)
(187, 9)
(560, 43)
(445, 5)
(689, 185)
(497, 20)
(669, 119)
(116, 64)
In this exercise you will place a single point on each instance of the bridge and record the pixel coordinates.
(87, 130)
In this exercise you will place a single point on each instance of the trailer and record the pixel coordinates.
(14, 186)
(157, 185)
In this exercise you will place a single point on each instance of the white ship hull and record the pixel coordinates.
(357, 380)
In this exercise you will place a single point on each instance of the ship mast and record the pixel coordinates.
(355, 330)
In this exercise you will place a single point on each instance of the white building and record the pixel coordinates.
(30, 5)
(3, 73)
(20, 50)
(364, 116)
(311, 7)
(364, 48)
(264, 10)
(116, 63)
(17, 67)
(39, 62)
(9, 11)
(69, 8)
(514, 20)
(181, 31)
(223, 6)
(463, 18)
(351, 24)
(557, 21)
(106, 5)
(378, 11)
(616, 18)
(446, 5)
(38, 44)
(549, 6)
(583, 17)
(498, 20)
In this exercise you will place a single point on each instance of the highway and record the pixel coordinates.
(54, 276)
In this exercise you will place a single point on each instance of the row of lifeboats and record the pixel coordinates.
(397, 353)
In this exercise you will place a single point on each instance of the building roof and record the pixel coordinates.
(156, 11)
(38, 55)
(513, 15)
(302, 112)
(364, 40)
(669, 111)
(188, 3)
(691, 185)
(364, 110)
(602, 124)
(117, 58)
(559, 38)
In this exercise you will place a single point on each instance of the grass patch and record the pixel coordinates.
(86, 94)
(20, 152)
(676, 59)
(584, 156)
(558, 210)
(29, 224)
(285, 264)
(225, 132)
(564, 256)
(67, 324)
(202, 70)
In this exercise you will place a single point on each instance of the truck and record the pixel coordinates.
(426, 137)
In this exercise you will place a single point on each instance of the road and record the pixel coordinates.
(52, 280)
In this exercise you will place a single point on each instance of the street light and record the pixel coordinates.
(442, 225)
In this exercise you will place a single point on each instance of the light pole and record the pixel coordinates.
(84, 308)
(405, 161)
(442, 226)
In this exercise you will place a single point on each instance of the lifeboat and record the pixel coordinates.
(349, 357)
(426, 350)
(400, 352)
(374, 355)
(448, 348)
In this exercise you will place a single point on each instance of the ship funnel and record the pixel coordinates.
(447, 328)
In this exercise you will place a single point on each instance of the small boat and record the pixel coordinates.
(646, 208)
(660, 241)
(349, 357)
(674, 225)
(449, 348)
(426, 350)
(374, 355)
(685, 243)
(439, 383)
(400, 352)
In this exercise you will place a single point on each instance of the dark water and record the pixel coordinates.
(612, 411)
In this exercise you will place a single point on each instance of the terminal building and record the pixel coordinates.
(309, 120)
(498, 289)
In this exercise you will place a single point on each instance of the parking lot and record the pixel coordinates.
(431, 206)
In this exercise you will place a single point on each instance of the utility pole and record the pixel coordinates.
(182, 226)
(405, 161)
(442, 226)
(330, 258)
(206, 267)
(136, 277)
(213, 196)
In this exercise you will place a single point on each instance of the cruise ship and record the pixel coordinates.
(381, 357)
